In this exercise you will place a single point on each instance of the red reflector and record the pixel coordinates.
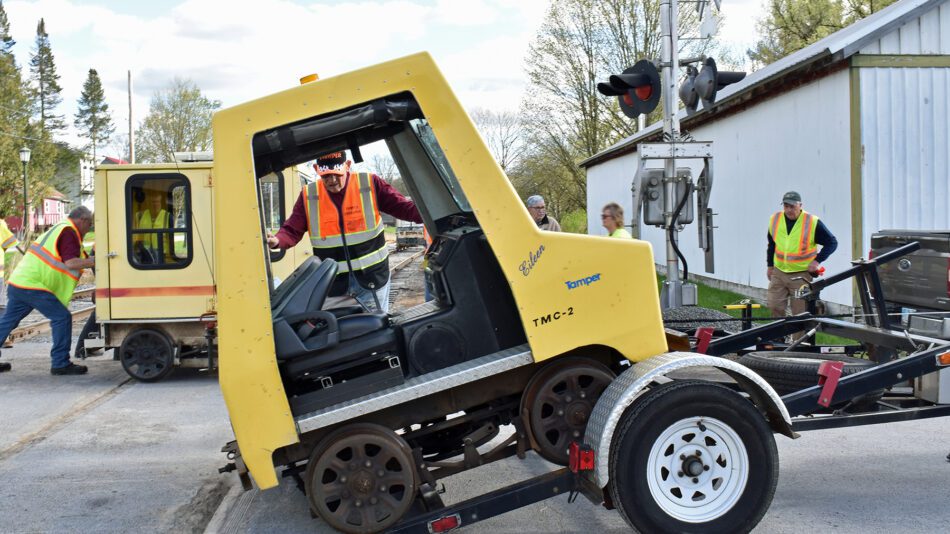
(445, 524)
(580, 457)
(644, 92)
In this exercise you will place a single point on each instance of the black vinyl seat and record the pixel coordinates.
(309, 339)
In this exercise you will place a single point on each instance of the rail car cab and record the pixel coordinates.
(304, 384)
(155, 279)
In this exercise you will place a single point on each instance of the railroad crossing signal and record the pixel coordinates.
(710, 80)
(637, 88)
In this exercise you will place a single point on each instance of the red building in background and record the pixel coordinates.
(53, 209)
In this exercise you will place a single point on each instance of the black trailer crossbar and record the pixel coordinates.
(763, 333)
(874, 378)
(804, 424)
(496, 502)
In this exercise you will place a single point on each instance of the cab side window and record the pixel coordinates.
(158, 221)
(272, 206)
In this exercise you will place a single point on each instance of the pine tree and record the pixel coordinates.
(14, 123)
(46, 82)
(93, 117)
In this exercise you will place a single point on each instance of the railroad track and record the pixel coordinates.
(42, 326)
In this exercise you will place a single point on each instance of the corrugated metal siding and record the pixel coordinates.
(905, 134)
(928, 34)
(798, 140)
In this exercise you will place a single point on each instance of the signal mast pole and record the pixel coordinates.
(671, 127)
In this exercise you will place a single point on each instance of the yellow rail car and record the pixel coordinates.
(537, 330)
(155, 277)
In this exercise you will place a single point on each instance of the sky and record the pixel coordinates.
(238, 50)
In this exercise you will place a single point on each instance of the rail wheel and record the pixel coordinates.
(147, 355)
(559, 399)
(361, 479)
(692, 456)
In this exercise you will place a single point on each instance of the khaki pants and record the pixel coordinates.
(782, 289)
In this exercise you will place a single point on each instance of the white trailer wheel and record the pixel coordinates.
(697, 469)
(692, 456)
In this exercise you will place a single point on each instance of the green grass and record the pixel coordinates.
(389, 229)
(89, 241)
(714, 299)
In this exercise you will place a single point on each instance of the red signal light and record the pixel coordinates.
(637, 88)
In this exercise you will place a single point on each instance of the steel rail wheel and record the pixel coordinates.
(559, 400)
(147, 355)
(361, 479)
(693, 456)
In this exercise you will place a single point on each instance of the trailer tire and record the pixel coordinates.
(691, 441)
(788, 372)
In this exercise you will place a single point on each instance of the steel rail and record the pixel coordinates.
(34, 329)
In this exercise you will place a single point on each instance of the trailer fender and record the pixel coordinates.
(631, 383)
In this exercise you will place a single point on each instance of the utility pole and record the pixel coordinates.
(131, 129)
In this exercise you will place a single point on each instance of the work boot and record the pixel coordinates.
(71, 369)
(5, 366)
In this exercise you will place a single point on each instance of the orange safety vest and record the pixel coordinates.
(796, 249)
(360, 232)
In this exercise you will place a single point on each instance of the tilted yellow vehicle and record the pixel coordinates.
(558, 335)
(155, 293)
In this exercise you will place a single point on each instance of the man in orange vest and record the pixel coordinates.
(793, 239)
(341, 211)
(45, 280)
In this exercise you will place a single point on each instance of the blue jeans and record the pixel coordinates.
(365, 296)
(20, 302)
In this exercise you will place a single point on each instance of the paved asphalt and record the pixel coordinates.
(890, 478)
(102, 453)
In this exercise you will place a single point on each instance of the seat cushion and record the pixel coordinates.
(353, 326)
(342, 356)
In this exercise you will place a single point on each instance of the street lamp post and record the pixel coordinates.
(25, 158)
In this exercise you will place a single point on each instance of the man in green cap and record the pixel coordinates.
(793, 239)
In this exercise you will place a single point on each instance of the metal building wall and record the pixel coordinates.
(928, 34)
(798, 140)
(905, 136)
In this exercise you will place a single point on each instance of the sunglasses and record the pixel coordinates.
(604, 216)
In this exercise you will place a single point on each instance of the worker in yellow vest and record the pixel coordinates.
(7, 241)
(154, 218)
(341, 211)
(793, 256)
(45, 280)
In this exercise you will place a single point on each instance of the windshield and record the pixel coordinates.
(431, 145)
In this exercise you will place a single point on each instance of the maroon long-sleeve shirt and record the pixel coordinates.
(388, 199)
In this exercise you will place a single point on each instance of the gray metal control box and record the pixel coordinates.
(651, 187)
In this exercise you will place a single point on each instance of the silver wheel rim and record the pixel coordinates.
(697, 469)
